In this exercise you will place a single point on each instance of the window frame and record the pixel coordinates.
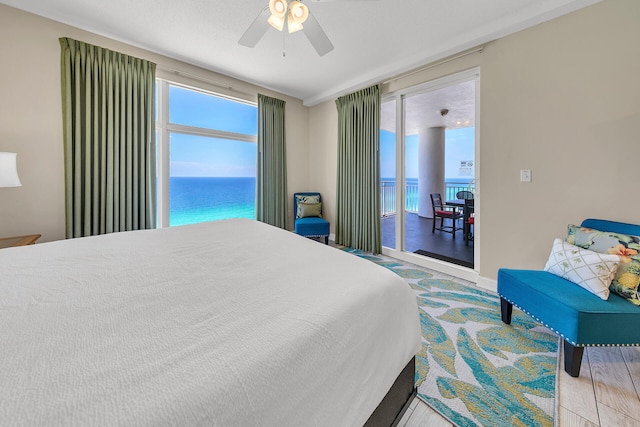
(164, 128)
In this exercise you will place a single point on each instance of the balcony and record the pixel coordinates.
(440, 245)
(388, 195)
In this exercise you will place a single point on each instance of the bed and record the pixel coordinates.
(222, 323)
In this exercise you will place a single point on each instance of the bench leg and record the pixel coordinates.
(572, 359)
(505, 310)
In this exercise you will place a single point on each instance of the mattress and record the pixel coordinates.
(222, 323)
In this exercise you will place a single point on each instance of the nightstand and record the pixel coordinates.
(8, 242)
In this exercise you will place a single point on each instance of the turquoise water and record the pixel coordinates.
(208, 199)
(201, 199)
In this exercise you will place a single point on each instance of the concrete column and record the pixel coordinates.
(430, 168)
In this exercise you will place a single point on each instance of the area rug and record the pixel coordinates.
(473, 369)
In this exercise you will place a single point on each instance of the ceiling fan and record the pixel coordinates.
(293, 14)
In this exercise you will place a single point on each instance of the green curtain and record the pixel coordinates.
(358, 181)
(108, 112)
(271, 199)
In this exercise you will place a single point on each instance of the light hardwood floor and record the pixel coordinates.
(607, 393)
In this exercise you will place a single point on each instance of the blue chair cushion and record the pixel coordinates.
(311, 226)
(573, 312)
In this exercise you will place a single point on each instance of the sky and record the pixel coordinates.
(459, 147)
(198, 156)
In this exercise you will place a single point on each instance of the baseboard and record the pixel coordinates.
(488, 284)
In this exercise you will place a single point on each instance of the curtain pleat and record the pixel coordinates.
(358, 180)
(271, 182)
(108, 109)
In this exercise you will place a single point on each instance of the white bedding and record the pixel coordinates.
(228, 323)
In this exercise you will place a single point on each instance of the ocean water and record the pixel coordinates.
(208, 199)
(201, 199)
(412, 196)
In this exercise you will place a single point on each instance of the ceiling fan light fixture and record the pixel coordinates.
(298, 11)
(276, 22)
(278, 10)
(278, 7)
(298, 14)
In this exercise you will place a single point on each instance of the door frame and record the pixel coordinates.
(399, 251)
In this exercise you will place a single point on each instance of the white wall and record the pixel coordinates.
(31, 117)
(562, 99)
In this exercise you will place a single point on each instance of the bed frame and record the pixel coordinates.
(397, 400)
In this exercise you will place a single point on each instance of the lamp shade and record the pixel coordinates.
(278, 10)
(8, 170)
(298, 13)
(276, 22)
(278, 7)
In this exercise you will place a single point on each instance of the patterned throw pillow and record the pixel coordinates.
(305, 199)
(626, 281)
(591, 270)
(310, 209)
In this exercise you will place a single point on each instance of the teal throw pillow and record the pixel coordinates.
(626, 281)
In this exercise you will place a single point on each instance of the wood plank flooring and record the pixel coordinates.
(606, 394)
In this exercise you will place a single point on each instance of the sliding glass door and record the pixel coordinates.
(388, 172)
(427, 146)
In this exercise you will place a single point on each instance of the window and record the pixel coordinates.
(207, 156)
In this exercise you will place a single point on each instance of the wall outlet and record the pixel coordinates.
(525, 175)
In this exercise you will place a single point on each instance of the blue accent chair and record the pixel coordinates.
(310, 226)
(569, 310)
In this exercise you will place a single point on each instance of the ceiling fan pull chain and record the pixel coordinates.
(284, 54)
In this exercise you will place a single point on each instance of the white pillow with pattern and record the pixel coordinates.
(591, 270)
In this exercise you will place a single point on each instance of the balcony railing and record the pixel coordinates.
(388, 195)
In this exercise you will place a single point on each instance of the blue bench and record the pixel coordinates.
(575, 314)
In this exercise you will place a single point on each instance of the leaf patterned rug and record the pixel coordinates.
(473, 369)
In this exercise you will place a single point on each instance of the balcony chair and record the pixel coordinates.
(468, 220)
(444, 212)
(464, 194)
(308, 219)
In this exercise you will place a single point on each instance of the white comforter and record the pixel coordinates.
(229, 323)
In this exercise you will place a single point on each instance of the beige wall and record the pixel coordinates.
(561, 99)
(31, 117)
(323, 164)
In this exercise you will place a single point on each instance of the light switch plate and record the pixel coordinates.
(525, 175)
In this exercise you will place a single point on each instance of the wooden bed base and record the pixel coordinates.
(397, 400)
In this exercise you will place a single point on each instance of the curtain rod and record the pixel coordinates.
(478, 49)
(205, 80)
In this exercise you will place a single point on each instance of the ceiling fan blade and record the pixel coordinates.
(317, 36)
(256, 30)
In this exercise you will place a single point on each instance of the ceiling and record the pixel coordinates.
(374, 39)
(426, 109)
